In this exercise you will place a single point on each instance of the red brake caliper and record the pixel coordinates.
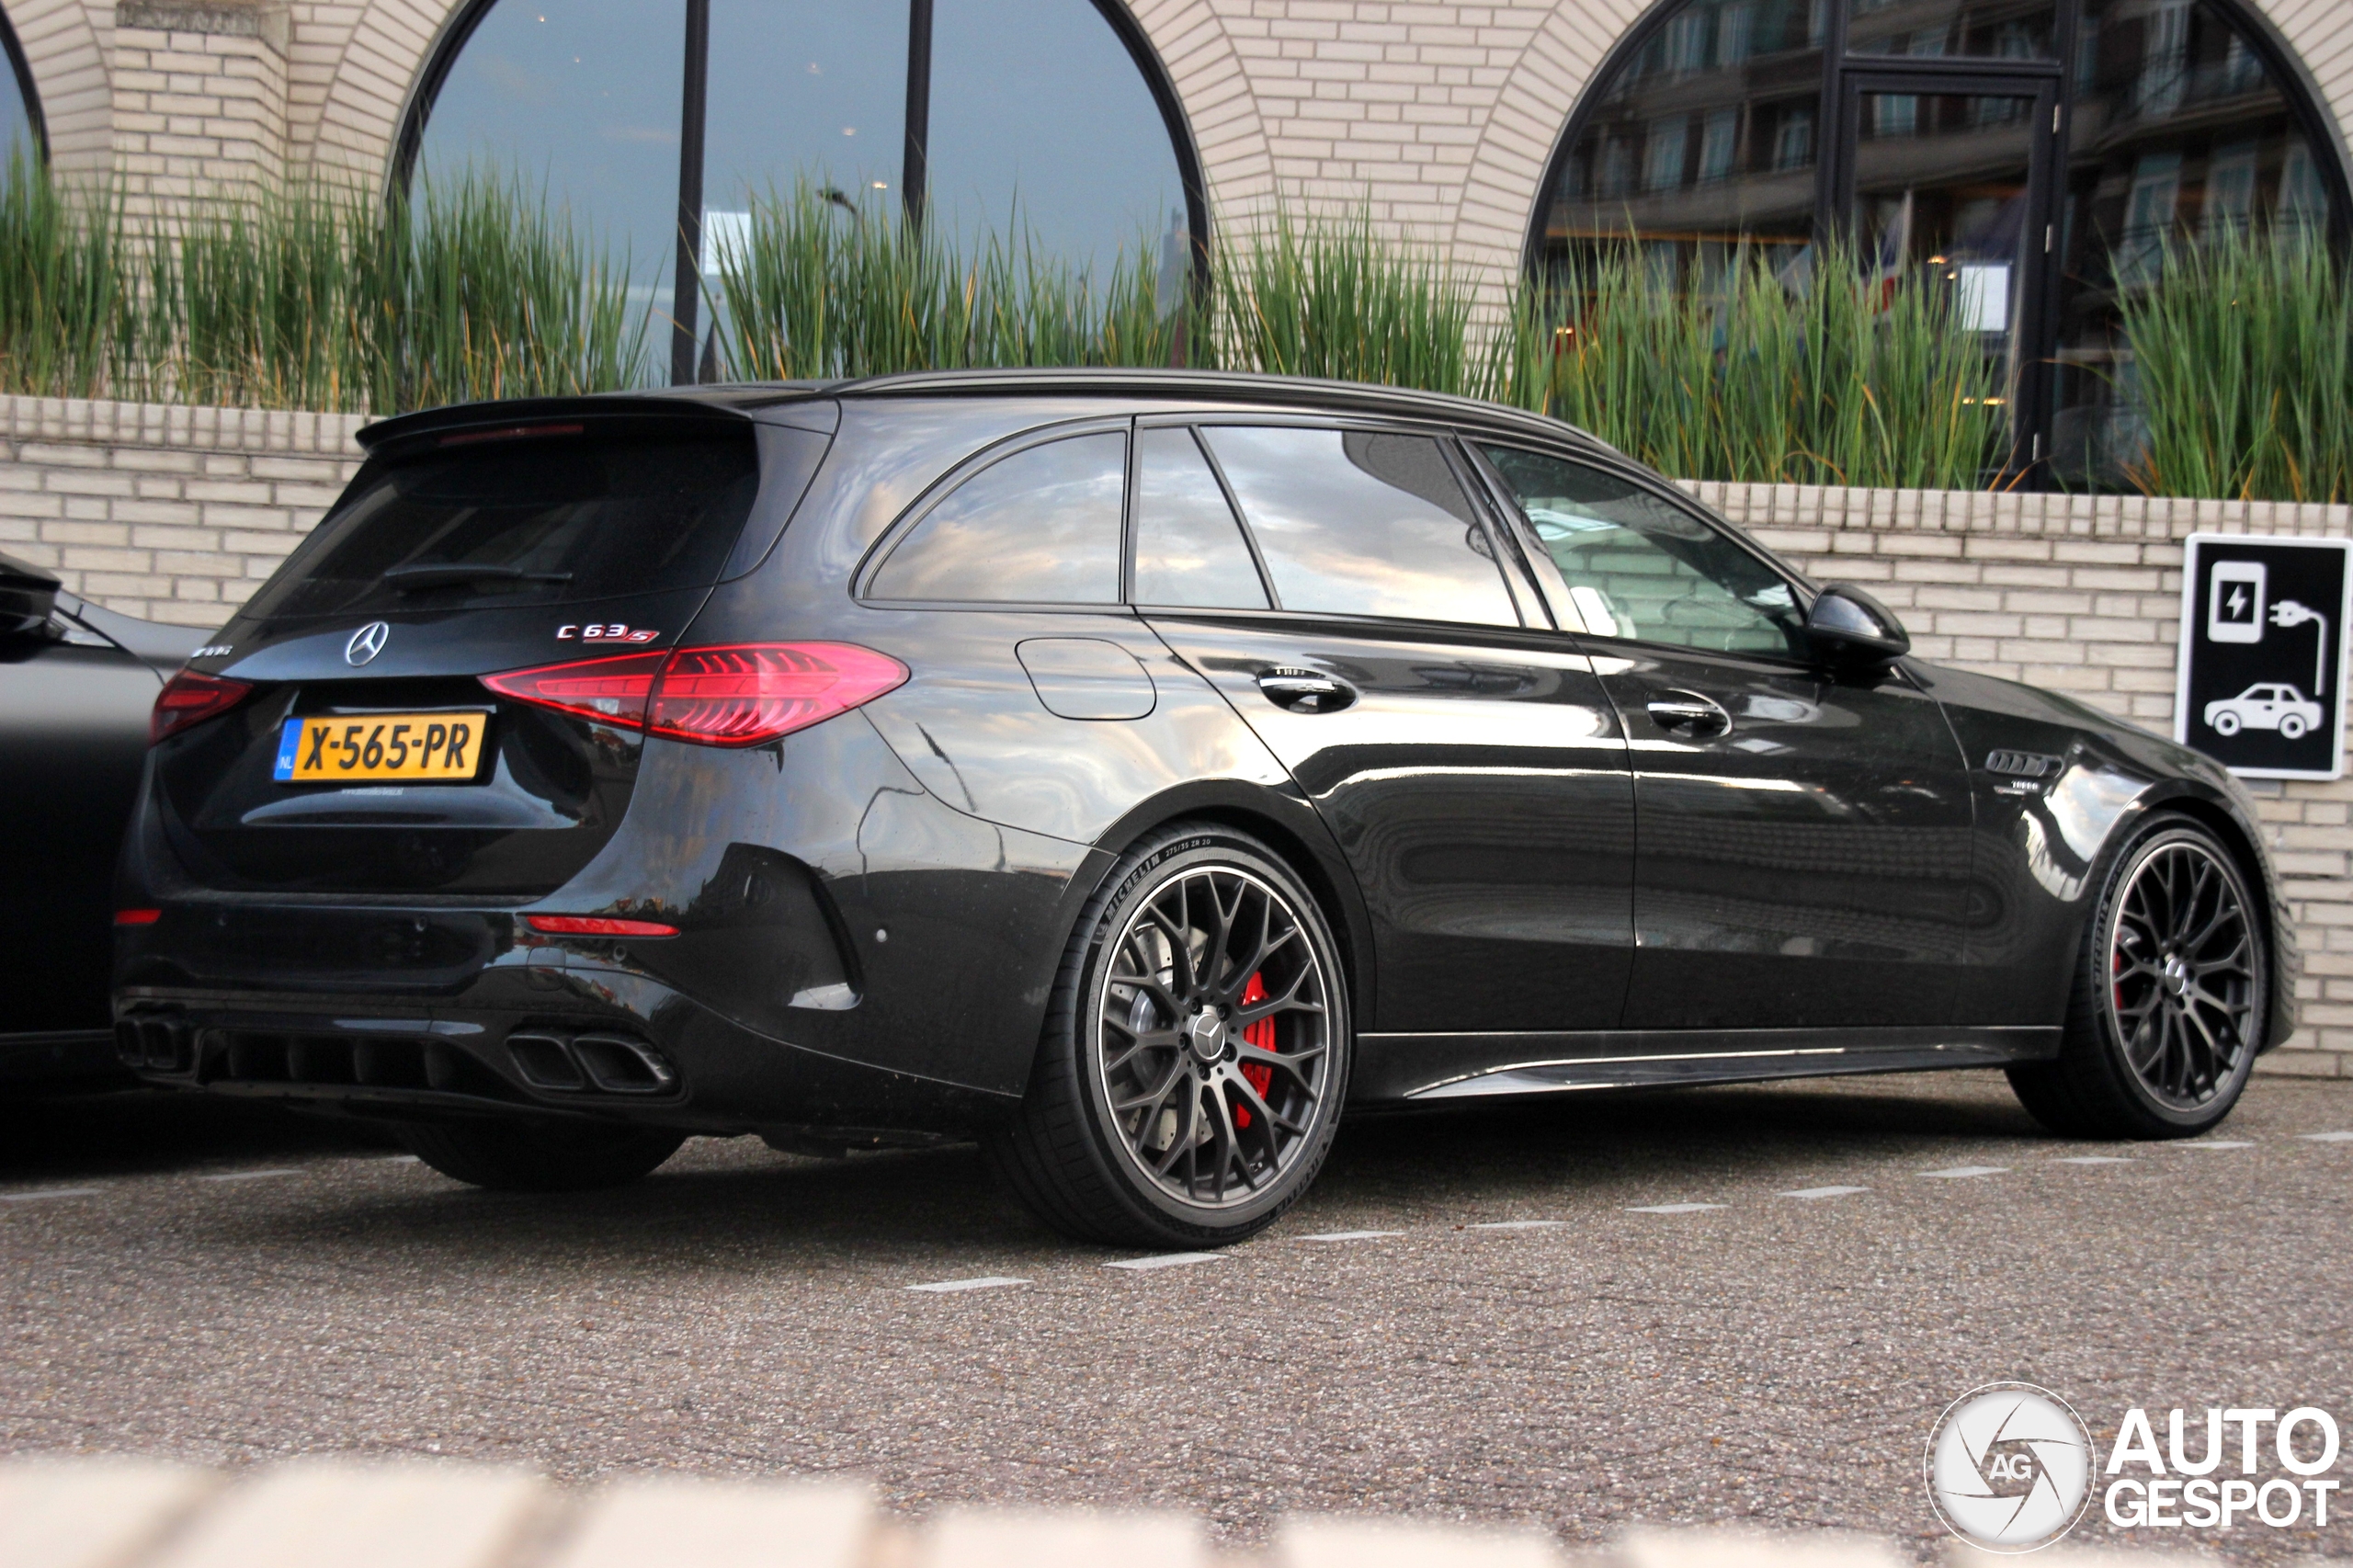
(1262, 1035)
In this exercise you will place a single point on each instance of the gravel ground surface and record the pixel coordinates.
(203, 1280)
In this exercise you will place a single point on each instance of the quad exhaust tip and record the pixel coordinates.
(590, 1063)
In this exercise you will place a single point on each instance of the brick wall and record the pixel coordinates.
(178, 513)
(175, 513)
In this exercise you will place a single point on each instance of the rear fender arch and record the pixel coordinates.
(1288, 825)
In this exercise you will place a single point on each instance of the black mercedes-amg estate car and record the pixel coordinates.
(1132, 770)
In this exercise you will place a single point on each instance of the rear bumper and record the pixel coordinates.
(538, 1044)
(76, 1057)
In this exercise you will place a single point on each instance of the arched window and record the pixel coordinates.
(1050, 116)
(2042, 153)
(20, 126)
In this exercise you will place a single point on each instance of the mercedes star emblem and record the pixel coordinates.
(367, 642)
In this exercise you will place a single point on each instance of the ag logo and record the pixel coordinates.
(367, 642)
(2010, 1467)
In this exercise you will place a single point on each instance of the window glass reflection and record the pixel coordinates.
(804, 89)
(1040, 121)
(1943, 191)
(1357, 523)
(1189, 548)
(16, 124)
(1708, 135)
(1040, 526)
(1637, 567)
(1932, 30)
(581, 98)
(2180, 136)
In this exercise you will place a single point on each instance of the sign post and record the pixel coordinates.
(2260, 685)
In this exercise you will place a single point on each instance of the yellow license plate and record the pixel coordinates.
(341, 749)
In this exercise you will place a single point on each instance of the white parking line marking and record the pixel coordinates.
(1168, 1260)
(247, 1176)
(1351, 1235)
(2219, 1144)
(1518, 1224)
(2326, 1137)
(1958, 1171)
(2094, 1160)
(1669, 1207)
(48, 1192)
(1825, 1191)
(981, 1282)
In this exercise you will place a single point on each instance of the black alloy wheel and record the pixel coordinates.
(1196, 1052)
(2170, 996)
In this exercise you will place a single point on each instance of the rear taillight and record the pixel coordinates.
(614, 690)
(190, 699)
(595, 926)
(735, 696)
(756, 691)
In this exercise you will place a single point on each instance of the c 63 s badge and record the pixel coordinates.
(605, 632)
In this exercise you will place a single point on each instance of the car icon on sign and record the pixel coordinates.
(2265, 706)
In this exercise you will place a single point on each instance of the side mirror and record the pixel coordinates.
(28, 596)
(1848, 626)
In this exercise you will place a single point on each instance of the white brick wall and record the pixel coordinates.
(175, 513)
(178, 513)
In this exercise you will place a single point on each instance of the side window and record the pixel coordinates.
(1638, 565)
(1190, 550)
(1362, 523)
(1040, 526)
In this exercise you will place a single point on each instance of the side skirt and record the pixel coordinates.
(1392, 1068)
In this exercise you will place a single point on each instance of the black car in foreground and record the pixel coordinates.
(77, 685)
(1132, 768)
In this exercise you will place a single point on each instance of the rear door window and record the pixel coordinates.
(1189, 549)
(542, 520)
(1040, 527)
(1361, 522)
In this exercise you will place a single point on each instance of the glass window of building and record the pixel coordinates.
(2038, 158)
(2180, 134)
(1041, 121)
(578, 98)
(1035, 114)
(18, 139)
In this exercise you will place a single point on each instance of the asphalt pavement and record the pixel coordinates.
(1742, 1304)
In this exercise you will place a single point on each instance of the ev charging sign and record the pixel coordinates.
(2260, 687)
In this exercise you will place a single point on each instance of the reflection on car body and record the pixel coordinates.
(1134, 770)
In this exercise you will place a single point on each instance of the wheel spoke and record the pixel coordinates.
(1199, 1127)
(2185, 981)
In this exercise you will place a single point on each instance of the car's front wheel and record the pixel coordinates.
(2226, 723)
(1196, 1052)
(540, 1156)
(2170, 998)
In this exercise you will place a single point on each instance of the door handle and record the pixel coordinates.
(1305, 691)
(1688, 711)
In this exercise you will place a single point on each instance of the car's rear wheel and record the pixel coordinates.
(540, 1156)
(2291, 728)
(2170, 997)
(1196, 1052)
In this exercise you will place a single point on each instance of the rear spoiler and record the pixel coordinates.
(525, 417)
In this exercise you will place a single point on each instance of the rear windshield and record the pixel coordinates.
(545, 520)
